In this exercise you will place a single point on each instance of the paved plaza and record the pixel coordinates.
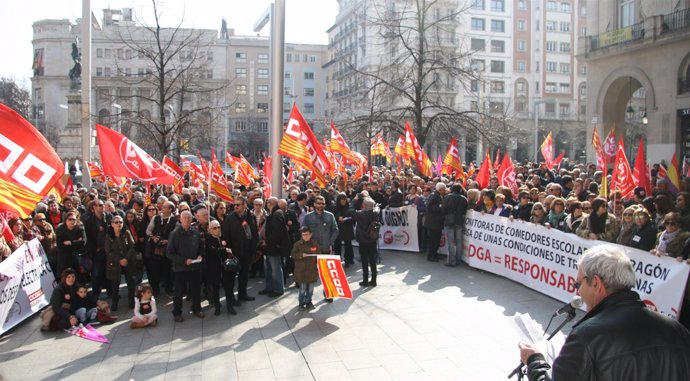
(424, 321)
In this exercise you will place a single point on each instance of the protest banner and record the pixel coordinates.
(545, 260)
(26, 284)
(398, 229)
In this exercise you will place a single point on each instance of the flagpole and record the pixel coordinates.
(277, 82)
(86, 88)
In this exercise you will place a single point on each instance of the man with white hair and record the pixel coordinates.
(619, 338)
(434, 220)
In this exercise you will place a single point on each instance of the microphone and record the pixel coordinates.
(569, 308)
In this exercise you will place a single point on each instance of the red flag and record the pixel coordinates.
(609, 145)
(248, 169)
(547, 150)
(484, 176)
(451, 162)
(420, 157)
(291, 175)
(241, 175)
(29, 165)
(622, 176)
(6, 230)
(506, 175)
(641, 173)
(300, 144)
(121, 157)
(268, 170)
(219, 184)
(498, 157)
(176, 171)
(333, 278)
(672, 173)
(339, 145)
(95, 172)
(69, 187)
(204, 166)
(559, 158)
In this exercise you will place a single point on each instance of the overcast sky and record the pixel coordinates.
(306, 21)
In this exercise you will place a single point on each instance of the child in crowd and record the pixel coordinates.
(84, 306)
(144, 307)
(305, 272)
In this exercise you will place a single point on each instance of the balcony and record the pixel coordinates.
(675, 21)
(621, 36)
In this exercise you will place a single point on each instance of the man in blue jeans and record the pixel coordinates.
(278, 245)
(454, 211)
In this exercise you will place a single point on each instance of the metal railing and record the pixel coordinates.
(675, 21)
(627, 35)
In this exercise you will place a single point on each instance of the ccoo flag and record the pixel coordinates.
(333, 278)
(300, 144)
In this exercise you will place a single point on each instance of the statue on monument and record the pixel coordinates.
(75, 71)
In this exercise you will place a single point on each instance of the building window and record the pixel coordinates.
(240, 107)
(308, 108)
(583, 90)
(565, 47)
(565, 7)
(287, 106)
(262, 58)
(312, 59)
(288, 57)
(99, 53)
(308, 75)
(308, 91)
(477, 65)
(478, 44)
(287, 91)
(107, 72)
(288, 75)
(296, 57)
(209, 74)
(497, 87)
(240, 89)
(550, 108)
(262, 90)
(522, 25)
(521, 66)
(498, 46)
(550, 46)
(240, 57)
(522, 5)
(107, 53)
(564, 109)
(520, 106)
(474, 106)
(565, 27)
(474, 85)
(99, 71)
(240, 125)
(262, 107)
(496, 107)
(583, 71)
(262, 73)
(551, 26)
(550, 5)
(551, 67)
(262, 127)
(565, 68)
(498, 5)
(498, 26)
(522, 46)
(521, 87)
(497, 66)
(583, 11)
(477, 4)
(478, 24)
(550, 87)
(564, 88)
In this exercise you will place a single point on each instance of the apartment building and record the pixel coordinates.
(229, 82)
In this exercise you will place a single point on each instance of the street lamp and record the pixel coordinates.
(276, 14)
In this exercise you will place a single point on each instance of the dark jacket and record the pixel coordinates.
(67, 254)
(62, 298)
(122, 247)
(346, 230)
(522, 212)
(95, 233)
(644, 237)
(620, 339)
(364, 219)
(182, 245)
(215, 256)
(234, 232)
(278, 242)
(434, 212)
(396, 199)
(305, 267)
(454, 208)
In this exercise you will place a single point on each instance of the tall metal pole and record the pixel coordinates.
(86, 88)
(536, 131)
(277, 68)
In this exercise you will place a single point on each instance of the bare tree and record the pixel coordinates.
(421, 70)
(15, 97)
(177, 85)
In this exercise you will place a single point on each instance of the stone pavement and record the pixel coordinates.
(424, 321)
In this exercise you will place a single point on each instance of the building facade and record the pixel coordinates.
(521, 55)
(219, 83)
(638, 58)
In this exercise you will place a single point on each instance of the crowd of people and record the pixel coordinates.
(193, 243)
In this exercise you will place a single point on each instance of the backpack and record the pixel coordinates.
(373, 230)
